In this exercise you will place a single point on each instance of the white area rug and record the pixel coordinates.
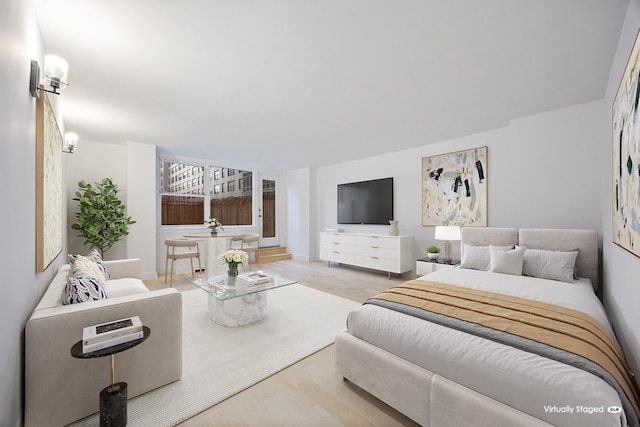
(218, 362)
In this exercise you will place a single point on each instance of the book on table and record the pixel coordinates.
(254, 279)
(112, 333)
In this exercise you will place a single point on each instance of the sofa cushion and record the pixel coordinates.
(123, 287)
(82, 287)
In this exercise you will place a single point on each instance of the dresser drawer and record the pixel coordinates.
(377, 263)
(336, 238)
(377, 241)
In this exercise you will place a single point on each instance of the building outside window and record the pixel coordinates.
(185, 191)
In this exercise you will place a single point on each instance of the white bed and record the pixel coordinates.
(440, 376)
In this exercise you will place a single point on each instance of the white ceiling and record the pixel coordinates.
(282, 84)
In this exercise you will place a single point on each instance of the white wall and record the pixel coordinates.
(132, 166)
(542, 171)
(621, 270)
(141, 205)
(20, 286)
(298, 209)
(92, 161)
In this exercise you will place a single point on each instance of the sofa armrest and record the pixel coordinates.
(121, 268)
(60, 389)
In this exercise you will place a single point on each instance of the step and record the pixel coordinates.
(276, 253)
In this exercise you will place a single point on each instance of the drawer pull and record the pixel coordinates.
(374, 257)
(374, 247)
(375, 237)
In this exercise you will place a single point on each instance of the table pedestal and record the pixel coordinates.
(238, 311)
(214, 247)
(113, 405)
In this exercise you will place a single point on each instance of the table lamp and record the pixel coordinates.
(447, 233)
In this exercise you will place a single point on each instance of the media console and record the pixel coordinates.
(393, 254)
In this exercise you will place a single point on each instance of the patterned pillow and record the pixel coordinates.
(82, 287)
(94, 256)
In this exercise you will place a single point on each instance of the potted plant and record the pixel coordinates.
(102, 219)
(433, 252)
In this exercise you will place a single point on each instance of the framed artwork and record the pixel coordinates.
(626, 157)
(454, 188)
(48, 184)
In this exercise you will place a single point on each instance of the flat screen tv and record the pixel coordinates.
(366, 202)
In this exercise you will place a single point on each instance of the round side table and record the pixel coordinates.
(113, 398)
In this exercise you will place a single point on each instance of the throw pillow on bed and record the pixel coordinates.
(478, 257)
(507, 261)
(82, 287)
(553, 265)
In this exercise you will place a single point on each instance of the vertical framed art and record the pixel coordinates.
(48, 184)
(454, 188)
(626, 157)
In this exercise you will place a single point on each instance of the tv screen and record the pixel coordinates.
(366, 202)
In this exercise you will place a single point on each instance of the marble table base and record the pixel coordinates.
(238, 311)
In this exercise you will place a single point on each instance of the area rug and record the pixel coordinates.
(219, 362)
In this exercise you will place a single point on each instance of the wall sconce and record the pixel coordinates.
(70, 142)
(447, 233)
(55, 75)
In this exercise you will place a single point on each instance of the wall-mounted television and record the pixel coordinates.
(366, 202)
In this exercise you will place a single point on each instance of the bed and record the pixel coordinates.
(443, 371)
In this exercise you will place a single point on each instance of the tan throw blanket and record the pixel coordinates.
(559, 327)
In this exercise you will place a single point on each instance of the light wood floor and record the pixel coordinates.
(310, 392)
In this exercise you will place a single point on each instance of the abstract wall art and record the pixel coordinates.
(48, 184)
(626, 157)
(454, 188)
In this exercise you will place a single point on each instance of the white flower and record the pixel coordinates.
(234, 256)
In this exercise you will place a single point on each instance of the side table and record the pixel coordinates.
(113, 398)
(426, 265)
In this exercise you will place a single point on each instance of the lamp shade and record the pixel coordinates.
(55, 71)
(447, 232)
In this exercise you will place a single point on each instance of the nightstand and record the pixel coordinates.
(426, 265)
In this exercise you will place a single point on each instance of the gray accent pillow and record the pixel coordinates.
(553, 265)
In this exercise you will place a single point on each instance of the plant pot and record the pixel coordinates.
(433, 255)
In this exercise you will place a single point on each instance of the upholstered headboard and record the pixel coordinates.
(586, 241)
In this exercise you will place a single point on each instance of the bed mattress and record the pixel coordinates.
(546, 389)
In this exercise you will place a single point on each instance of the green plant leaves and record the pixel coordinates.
(102, 219)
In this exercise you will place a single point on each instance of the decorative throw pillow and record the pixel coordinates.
(478, 257)
(553, 265)
(507, 261)
(82, 287)
(88, 267)
(94, 256)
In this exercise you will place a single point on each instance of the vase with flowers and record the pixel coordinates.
(214, 225)
(233, 258)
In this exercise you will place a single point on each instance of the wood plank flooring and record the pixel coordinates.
(310, 392)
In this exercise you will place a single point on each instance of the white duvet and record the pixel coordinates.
(551, 391)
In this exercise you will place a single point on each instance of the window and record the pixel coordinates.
(235, 205)
(186, 190)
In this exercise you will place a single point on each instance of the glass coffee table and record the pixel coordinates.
(233, 303)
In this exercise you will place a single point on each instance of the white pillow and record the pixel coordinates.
(554, 265)
(89, 267)
(478, 257)
(507, 261)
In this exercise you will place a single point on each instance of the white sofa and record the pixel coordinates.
(59, 388)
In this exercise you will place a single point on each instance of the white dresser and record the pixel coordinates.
(393, 254)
